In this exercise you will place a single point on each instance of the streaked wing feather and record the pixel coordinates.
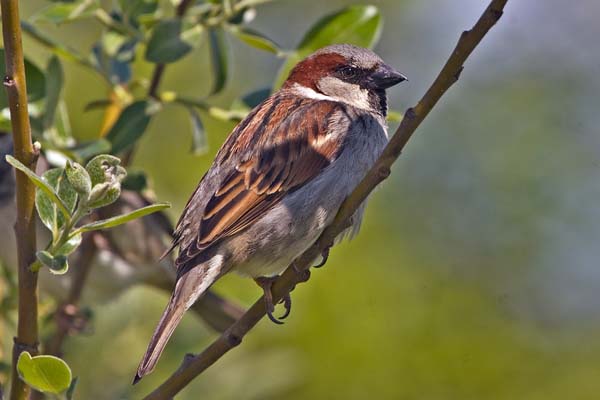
(266, 164)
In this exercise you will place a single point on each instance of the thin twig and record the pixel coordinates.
(14, 81)
(193, 366)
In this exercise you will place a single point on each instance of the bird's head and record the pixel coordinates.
(346, 73)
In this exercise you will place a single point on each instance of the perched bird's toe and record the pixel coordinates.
(287, 304)
(324, 257)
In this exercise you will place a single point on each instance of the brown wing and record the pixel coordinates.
(265, 164)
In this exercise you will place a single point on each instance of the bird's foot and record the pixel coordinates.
(266, 283)
(324, 256)
(302, 274)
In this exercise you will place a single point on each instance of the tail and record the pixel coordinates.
(166, 326)
(189, 287)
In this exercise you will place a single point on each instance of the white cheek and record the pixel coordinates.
(345, 92)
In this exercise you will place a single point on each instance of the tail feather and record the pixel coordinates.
(189, 287)
(168, 322)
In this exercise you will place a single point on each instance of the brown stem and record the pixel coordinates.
(193, 366)
(14, 81)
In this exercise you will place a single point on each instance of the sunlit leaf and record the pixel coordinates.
(129, 127)
(54, 46)
(199, 142)
(359, 25)
(255, 39)
(165, 44)
(54, 84)
(48, 210)
(69, 246)
(219, 59)
(121, 219)
(79, 179)
(85, 150)
(44, 373)
(56, 263)
(36, 82)
(106, 175)
(61, 12)
(134, 9)
(41, 184)
(112, 42)
(98, 168)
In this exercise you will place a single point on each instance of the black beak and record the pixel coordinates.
(385, 77)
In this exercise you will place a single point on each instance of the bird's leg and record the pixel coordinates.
(324, 255)
(266, 283)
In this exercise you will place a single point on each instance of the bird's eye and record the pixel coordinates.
(348, 72)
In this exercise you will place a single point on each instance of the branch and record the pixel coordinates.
(193, 366)
(27, 330)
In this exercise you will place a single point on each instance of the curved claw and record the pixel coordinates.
(266, 285)
(287, 304)
(325, 256)
(274, 318)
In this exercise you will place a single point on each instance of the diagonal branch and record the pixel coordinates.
(193, 366)
(14, 81)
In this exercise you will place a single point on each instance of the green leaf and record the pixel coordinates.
(61, 12)
(71, 390)
(166, 45)
(112, 42)
(54, 46)
(199, 142)
(79, 178)
(36, 82)
(44, 373)
(106, 175)
(58, 132)
(47, 208)
(99, 166)
(255, 97)
(69, 246)
(255, 39)
(84, 151)
(121, 219)
(134, 9)
(394, 116)
(359, 25)
(57, 264)
(219, 58)
(136, 180)
(41, 184)
(129, 127)
(54, 84)
(116, 67)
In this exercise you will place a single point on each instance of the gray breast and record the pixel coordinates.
(289, 228)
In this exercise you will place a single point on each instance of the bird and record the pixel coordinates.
(279, 179)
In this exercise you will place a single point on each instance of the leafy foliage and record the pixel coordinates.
(65, 195)
(85, 176)
(44, 373)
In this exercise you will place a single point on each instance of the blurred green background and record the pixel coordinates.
(475, 275)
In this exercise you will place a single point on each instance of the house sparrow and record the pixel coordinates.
(280, 179)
